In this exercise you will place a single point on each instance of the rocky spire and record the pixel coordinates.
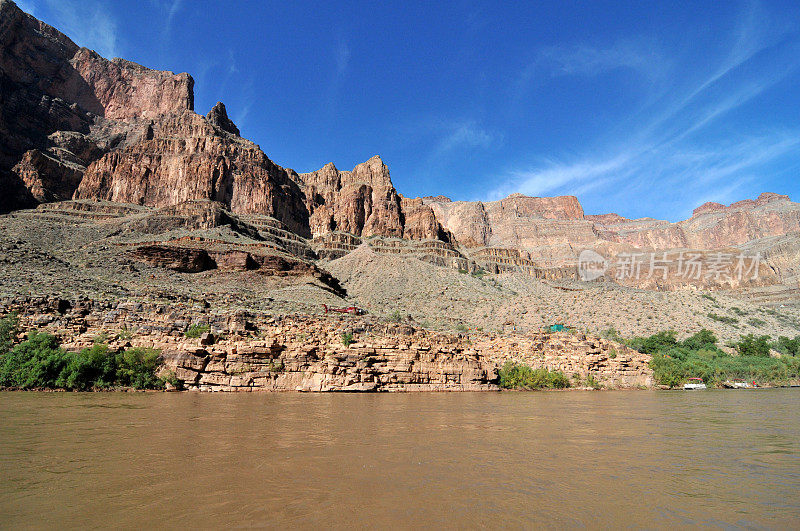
(219, 117)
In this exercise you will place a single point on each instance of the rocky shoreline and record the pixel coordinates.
(240, 350)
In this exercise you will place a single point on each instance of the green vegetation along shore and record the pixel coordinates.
(699, 356)
(39, 362)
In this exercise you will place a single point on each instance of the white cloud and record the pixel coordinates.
(467, 135)
(88, 23)
(342, 58)
(29, 6)
(644, 58)
(668, 152)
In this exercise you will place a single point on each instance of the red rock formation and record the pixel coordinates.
(362, 201)
(419, 221)
(606, 219)
(184, 157)
(49, 84)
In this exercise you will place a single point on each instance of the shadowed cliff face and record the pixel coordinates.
(49, 84)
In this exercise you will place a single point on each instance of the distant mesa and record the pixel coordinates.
(436, 199)
(606, 219)
(763, 199)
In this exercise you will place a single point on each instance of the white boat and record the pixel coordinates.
(694, 383)
(741, 384)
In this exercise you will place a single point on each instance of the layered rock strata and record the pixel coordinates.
(257, 352)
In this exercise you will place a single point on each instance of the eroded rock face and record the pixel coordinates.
(362, 201)
(218, 116)
(256, 352)
(184, 157)
(75, 125)
(49, 84)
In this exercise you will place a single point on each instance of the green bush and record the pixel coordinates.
(9, 327)
(517, 376)
(197, 330)
(788, 346)
(91, 368)
(699, 357)
(347, 339)
(751, 345)
(137, 367)
(40, 363)
(702, 339)
(34, 363)
(655, 343)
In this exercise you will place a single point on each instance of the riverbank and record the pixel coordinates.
(96, 345)
(248, 351)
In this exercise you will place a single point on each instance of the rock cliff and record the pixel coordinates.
(76, 125)
(49, 84)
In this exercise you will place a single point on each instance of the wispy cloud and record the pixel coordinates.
(669, 154)
(172, 10)
(465, 135)
(638, 55)
(29, 6)
(340, 62)
(643, 57)
(89, 23)
(342, 58)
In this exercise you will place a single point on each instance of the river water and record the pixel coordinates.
(454, 460)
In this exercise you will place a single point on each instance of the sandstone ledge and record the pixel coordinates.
(258, 352)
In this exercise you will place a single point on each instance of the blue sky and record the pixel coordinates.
(640, 108)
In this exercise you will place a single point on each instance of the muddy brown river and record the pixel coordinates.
(511, 460)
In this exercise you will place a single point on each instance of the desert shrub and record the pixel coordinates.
(612, 334)
(654, 343)
(723, 318)
(396, 316)
(9, 327)
(592, 382)
(517, 376)
(35, 363)
(751, 345)
(125, 334)
(708, 297)
(347, 339)
(137, 368)
(88, 369)
(197, 330)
